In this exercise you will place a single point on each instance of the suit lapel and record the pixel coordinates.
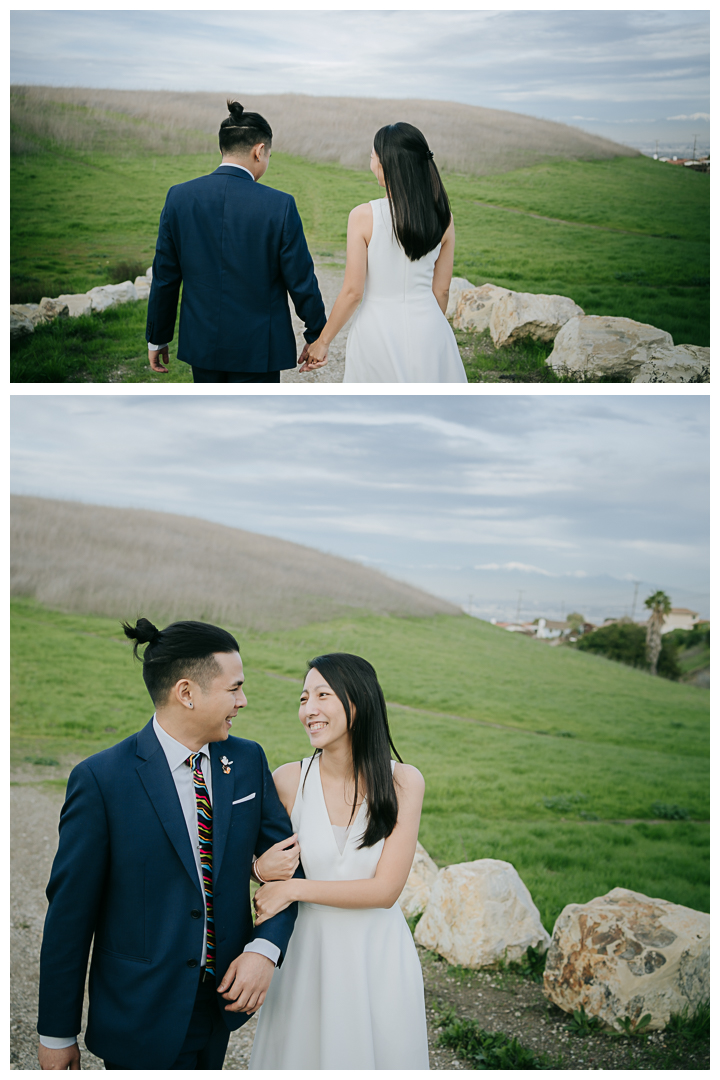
(223, 786)
(154, 772)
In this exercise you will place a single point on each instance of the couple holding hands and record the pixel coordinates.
(238, 249)
(159, 838)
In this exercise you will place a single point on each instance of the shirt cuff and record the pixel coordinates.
(56, 1043)
(265, 948)
(156, 348)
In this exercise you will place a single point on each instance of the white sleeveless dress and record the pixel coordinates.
(399, 333)
(349, 993)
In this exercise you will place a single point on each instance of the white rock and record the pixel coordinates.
(457, 286)
(479, 913)
(475, 306)
(53, 308)
(142, 287)
(148, 273)
(414, 897)
(78, 304)
(625, 954)
(536, 315)
(594, 345)
(676, 363)
(21, 322)
(105, 296)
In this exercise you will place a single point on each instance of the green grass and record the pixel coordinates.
(76, 216)
(488, 1050)
(76, 690)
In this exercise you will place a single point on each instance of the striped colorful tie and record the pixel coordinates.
(204, 818)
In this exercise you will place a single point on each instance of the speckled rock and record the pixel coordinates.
(51, 309)
(479, 913)
(475, 307)
(415, 895)
(458, 285)
(535, 315)
(23, 319)
(625, 955)
(676, 364)
(595, 345)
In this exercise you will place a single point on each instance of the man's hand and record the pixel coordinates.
(68, 1058)
(156, 363)
(246, 982)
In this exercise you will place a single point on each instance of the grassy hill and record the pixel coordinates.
(107, 561)
(547, 758)
(621, 236)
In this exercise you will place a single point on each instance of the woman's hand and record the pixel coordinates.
(316, 356)
(280, 861)
(273, 898)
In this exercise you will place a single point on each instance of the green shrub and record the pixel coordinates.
(625, 642)
(485, 1049)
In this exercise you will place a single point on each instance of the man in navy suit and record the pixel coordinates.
(176, 963)
(238, 248)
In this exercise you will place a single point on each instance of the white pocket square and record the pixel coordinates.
(245, 799)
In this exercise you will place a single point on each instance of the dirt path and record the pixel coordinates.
(497, 1001)
(330, 272)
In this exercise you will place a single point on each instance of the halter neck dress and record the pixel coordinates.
(399, 333)
(349, 993)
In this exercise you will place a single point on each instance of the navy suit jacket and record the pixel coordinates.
(125, 872)
(238, 248)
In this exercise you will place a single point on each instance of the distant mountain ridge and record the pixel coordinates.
(100, 560)
(465, 138)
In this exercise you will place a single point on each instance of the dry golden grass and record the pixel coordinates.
(465, 138)
(98, 560)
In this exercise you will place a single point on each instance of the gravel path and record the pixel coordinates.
(330, 272)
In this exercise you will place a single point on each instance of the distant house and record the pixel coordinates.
(551, 628)
(516, 627)
(680, 618)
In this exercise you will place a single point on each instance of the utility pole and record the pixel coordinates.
(517, 617)
(694, 145)
(635, 594)
(657, 151)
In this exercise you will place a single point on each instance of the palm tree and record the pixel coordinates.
(660, 605)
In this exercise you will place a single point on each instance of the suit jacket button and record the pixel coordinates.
(192, 963)
(194, 914)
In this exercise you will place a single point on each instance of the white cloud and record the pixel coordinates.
(693, 116)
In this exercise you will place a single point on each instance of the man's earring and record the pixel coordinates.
(191, 705)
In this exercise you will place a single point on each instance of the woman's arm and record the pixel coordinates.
(444, 268)
(392, 870)
(359, 232)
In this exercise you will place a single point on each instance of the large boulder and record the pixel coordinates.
(53, 308)
(415, 895)
(105, 296)
(148, 273)
(475, 306)
(536, 315)
(142, 287)
(595, 345)
(480, 913)
(625, 955)
(77, 303)
(676, 363)
(458, 285)
(21, 321)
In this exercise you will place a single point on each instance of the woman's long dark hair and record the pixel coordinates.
(419, 205)
(355, 683)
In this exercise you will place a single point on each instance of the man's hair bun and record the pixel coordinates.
(236, 110)
(142, 633)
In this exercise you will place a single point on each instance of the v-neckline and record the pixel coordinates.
(353, 823)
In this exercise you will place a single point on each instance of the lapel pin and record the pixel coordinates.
(225, 764)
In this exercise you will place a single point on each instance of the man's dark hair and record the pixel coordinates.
(183, 650)
(243, 130)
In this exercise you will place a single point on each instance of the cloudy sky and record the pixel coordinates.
(633, 76)
(567, 500)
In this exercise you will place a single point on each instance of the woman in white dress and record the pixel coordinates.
(349, 993)
(400, 252)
